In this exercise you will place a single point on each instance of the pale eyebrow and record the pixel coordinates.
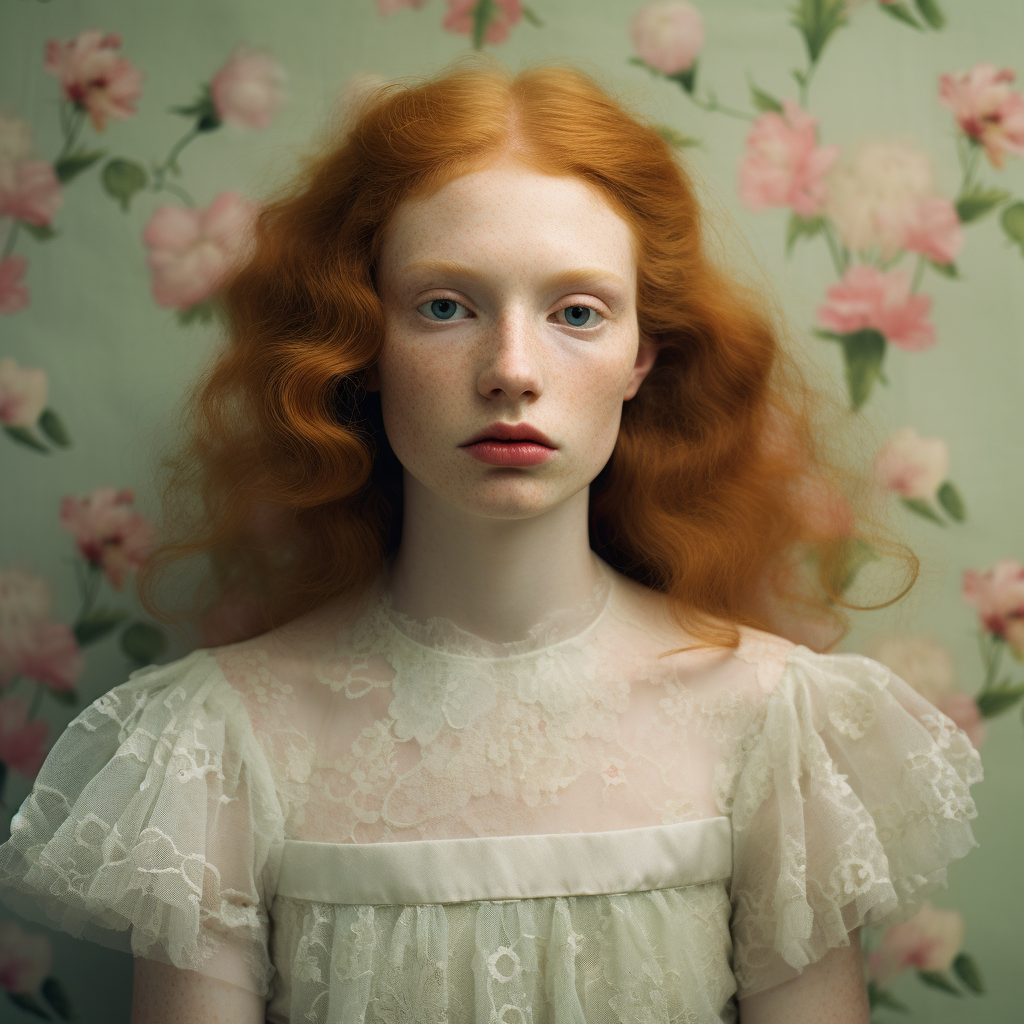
(568, 279)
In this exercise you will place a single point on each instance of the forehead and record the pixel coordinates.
(512, 215)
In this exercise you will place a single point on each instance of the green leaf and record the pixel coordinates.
(950, 500)
(817, 20)
(967, 971)
(203, 109)
(29, 1004)
(69, 697)
(676, 138)
(74, 163)
(532, 18)
(936, 979)
(799, 227)
(763, 100)
(863, 352)
(901, 12)
(687, 79)
(881, 997)
(931, 13)
(201, 311)
(40, 232)
(97, 624)
(978, 201)
(143, 642)
(945, 269)
(997, 699)
(123, 178)
(923, 509)
(54, 993)
(483, 14)
(1012, 219)
(53, 427)
(25, 436)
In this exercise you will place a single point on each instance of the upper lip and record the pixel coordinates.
(509, 432)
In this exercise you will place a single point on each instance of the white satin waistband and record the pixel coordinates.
(508, 867)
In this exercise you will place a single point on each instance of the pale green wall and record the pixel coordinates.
(117, 362)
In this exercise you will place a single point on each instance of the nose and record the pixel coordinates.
(510, 364)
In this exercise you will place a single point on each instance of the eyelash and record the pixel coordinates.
(435, 298)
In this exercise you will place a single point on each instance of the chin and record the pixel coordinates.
(510, 499)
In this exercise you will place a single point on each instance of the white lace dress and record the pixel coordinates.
(366, 818)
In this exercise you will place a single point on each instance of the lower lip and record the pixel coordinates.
(510, 453)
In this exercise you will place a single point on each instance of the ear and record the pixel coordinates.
(645, 356)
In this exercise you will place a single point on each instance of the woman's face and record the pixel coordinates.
(510, 301)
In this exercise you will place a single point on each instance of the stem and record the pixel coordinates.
(712, 105)
(918, 274)
(12, 237)
(805, 85)
(170, 186)
(840, 257)
(996, 646)
(160, 173)
(72, 127)
(37, 699)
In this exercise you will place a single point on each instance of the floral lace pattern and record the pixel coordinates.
(158, 821)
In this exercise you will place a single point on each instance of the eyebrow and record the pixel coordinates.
(563, 279)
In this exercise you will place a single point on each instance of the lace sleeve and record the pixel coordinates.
(153, 827)
(852, 801)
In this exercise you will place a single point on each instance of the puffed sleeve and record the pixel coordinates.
(853, 796)
(154, 827)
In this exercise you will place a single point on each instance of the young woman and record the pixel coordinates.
(524, 495)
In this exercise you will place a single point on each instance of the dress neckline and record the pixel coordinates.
(443, 637)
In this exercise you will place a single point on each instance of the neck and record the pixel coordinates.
(495, 578)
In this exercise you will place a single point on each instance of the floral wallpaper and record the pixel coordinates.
(870, 154)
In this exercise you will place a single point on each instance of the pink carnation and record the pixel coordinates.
(14, 295)
(25, 960)
(934, 230)
(783, 165)
(192, 251)
(247, 90)
(94, 76)
(928, 941)
(29, 190)
(998, 594)
(460, 18)
(912, 466)
(108, 531)
(986, 109)
(867, 297)
(21, 741)
(667, 35)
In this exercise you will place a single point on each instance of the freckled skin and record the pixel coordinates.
(509, 354)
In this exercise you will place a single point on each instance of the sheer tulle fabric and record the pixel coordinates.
(158, 821)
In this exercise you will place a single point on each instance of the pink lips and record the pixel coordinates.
(506, 444)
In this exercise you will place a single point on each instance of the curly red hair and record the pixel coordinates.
(721, 492)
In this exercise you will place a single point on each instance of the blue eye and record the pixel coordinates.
(580, 316)
(442, 309)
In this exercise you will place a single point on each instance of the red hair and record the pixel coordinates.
(720, 492)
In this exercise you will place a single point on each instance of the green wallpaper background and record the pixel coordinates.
(117, 362)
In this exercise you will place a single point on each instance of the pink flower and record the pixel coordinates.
(21, 741)
(883, 195)
(934, 230)
(868, 297)
(23, 392)
(25, 960)
(13, 294)
(783, 164)
(912, 466)
(30, 191)
(192, 251)
(926, 942)
(998, 594)
(248, 88)
(962, 708)
(93, 76)
(667, 35)
(108, 532)
(986, 109)
(386, 7)
(30, 643)
(460, 18)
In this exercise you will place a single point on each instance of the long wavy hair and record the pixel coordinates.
(723, 492)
